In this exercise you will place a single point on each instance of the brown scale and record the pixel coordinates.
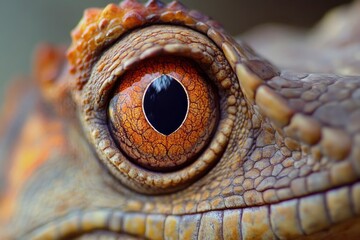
(279, 166)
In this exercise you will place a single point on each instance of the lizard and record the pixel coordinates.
(276, 154)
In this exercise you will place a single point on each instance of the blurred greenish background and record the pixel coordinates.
(25, 23)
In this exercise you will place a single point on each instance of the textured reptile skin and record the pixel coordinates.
(283, 163)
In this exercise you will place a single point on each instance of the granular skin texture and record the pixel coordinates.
(282, 162)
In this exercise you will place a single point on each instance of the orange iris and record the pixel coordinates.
(135, 134)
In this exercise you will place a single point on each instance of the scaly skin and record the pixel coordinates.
(284, 162)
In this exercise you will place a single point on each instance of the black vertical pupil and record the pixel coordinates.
(165, 104)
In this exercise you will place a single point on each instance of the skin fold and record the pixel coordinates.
(282, 163)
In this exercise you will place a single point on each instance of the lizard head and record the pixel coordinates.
(255, 152)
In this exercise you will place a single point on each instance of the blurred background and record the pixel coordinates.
(25, 23)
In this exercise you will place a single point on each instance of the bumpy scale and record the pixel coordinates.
(277, 157)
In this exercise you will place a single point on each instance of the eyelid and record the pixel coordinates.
(111, 66)
(196, 47)
(100, 28)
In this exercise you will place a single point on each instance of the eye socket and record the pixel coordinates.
(169, 132)
(160, 48)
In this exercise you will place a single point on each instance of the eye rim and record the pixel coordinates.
(95, 96)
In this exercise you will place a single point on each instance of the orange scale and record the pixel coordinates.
(91, 15)
(132, 19)
(111, 10)
(130, 4)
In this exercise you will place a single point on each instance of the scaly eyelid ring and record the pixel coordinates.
(105, 74)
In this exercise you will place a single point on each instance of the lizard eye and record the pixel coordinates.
(159, 102)
(163, 113)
